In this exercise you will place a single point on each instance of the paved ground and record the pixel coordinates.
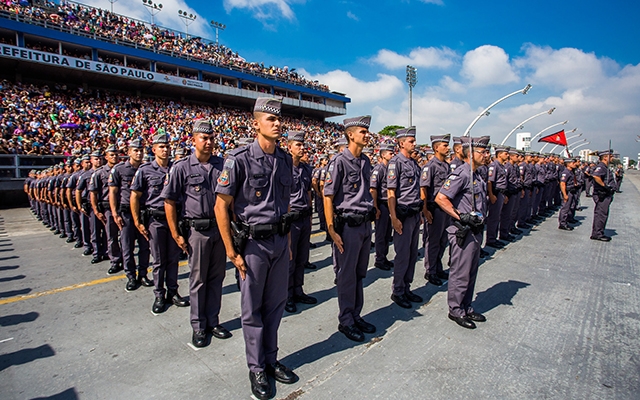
(563, 322)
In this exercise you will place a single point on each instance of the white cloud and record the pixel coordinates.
(429, 57)
(352, 16)
(264, 10)
(360, 91)
(487, 65)
(450, 85)
(437, 2)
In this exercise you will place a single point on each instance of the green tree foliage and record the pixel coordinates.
(390, 130)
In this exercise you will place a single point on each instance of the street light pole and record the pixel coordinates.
(485, 112)
(112, 1)
(217, 25)
(152, 8)
(412, 79)
(187, 19)
(580, 145)
(521, 124)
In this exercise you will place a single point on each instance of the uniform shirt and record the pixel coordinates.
(72, 182)
(513, 177)
(433, 176)
(299, 200)
(347, 179)
(457, 189)
(455, 163)
(403, 175)
(551, 173)
(317, 175)
(121, 177)
(579, 173)
(83, 183)
(527, 171)
(259, 183)
(498, 175)
(194, 184)
(99, 182)
(608, 177)
(567, 176)
(378, 181)
(541, 173)
(483, 171)
(149, 179)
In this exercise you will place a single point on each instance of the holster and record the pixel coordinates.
(103, 206)
(284, 226)
(338, 224)
(86, 207)
(461, 233)
(431, 206)
(239, 237)
(145, 216)
(124, 208)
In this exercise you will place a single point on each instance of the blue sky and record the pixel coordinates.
(582, 57)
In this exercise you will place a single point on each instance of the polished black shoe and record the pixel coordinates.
(433, 279)
(401, 301)
(574, 221)
(87, 252)
(607, 238)
(524, 226)
(304, 299)
(132, 285)
(290, 306)
(443, 275)
(158, 305)
(115, 269)
(508, 239)
(484, 253)
(260, 386)
(63, 236)
(220, 332)
(477, 317)
(601, 238)
(78, 245)
(70, 240)
(199, 338)
(565, 228)
(177, 300)
(281, 373)
(495, 245)
(309, 265)
(352, 332)
(144, 281)
(382, 266)
(57, 232)
(412, 297)
(463, 322)
(364, 326)
(388, 263)
(516, 231)
(96, 259)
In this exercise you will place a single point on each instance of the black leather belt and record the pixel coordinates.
(200, 224)
(124, 208)
(260, 231)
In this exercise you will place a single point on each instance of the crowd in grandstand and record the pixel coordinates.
(110, 26)
(58, 120)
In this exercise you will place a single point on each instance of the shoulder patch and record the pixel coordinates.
(223, 179)
(229, 163)
(447, 184)
(327, 177)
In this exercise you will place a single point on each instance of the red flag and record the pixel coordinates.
(555, 138)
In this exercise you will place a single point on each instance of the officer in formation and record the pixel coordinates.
(604, 187)
(348, 208)
(70, 194)
(569, 188)
(378, 189)
(255, 185)
(497, 186)
(433, 176)
(150, 219)
(463, 198)
(300, 216)
(89, 164)
(120, 179)
(405, 206)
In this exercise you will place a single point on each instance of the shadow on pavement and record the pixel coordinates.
(12, 278)
(69, 394)
(15, 319)
(499, 294)
(12, 293)
(25, 356)
(8, 267)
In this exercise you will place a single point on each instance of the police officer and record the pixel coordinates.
(192, 184)
(513, 194)
(463, 197)
(72, 183)
(568, 189)
(256, 182)
(317, 177)
(179, 153)
(300, 214)
(99, 188)
(526, 172)
(65, 207)
(496, 187)
(456, 159)
(432, 178)
(604, 186)
(146, 190)
(89, 164)
(120, 180)
(378, 189)
(405, 206)
(346, 191)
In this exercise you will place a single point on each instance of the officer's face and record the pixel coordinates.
(136, 154)
(296, 148)
(442, 148)
(479, 156)
(268, 125)
(203, 143)
(111, 157)
(96, 162)
(360, 135)
(408, 144)
(161, 150)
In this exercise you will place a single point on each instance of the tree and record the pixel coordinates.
(390, 130)
(632, 163)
